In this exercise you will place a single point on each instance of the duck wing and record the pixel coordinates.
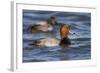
(35, 27)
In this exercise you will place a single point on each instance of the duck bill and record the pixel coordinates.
(71, 32)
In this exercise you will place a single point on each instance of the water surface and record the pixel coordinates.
(80, 48)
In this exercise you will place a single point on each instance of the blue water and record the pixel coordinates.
(80, 48)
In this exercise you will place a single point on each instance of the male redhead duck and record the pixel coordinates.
(63, 42)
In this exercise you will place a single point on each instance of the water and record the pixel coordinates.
(80, 48)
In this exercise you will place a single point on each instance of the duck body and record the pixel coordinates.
(41, 27)
(48, 42)
(51, 42)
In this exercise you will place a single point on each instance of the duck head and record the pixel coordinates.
(64, 31)
(52, 20)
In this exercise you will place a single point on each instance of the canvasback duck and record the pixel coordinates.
(64, 42)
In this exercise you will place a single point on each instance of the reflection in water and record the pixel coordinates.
(64, 56)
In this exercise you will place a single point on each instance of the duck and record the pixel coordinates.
(52, 41)
(44, 26)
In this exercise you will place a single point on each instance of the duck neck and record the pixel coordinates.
(62, 37)
(54, 22)
(65, 42)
